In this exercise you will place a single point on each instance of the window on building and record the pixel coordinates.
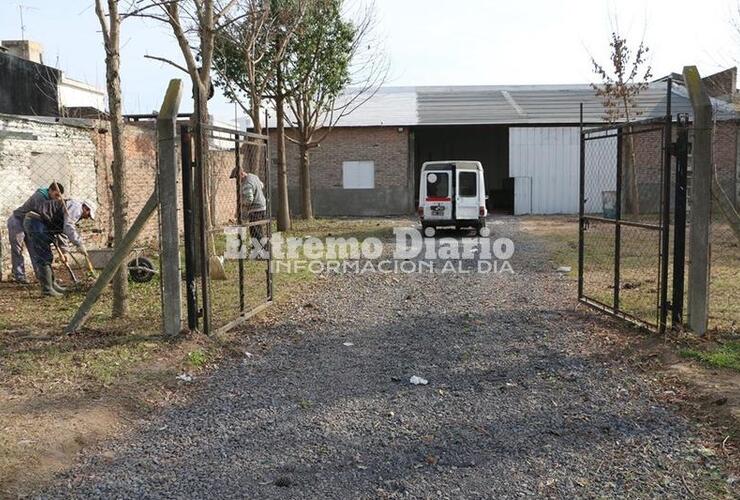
(358, 174)
(468, 184)
(438, 184)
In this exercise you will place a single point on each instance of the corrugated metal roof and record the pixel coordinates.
(510, 105)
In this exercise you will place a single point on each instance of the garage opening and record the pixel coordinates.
(488, 144)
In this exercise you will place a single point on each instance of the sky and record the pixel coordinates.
(427, 42)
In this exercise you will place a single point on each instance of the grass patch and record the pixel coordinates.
(119, 364)
(725, 356)
(198, 358)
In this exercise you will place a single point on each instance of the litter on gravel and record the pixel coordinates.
(348, 344)
(185, 377)
(418, 380)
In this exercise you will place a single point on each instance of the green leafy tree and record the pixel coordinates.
(247, 63)
(319, 66)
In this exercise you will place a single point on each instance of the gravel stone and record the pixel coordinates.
(515, 407)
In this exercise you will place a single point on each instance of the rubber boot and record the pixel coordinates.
(47, 280)
(55, 284)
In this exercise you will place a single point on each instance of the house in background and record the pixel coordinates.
(28, 87)
(526, 136)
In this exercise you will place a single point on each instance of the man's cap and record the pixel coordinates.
(92, 206)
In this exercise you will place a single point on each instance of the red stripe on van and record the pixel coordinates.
(438, 198)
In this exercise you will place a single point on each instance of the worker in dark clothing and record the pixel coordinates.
(42, 226)
(16, 234)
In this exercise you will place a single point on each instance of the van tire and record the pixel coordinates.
(424, 228)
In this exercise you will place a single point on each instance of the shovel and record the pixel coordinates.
(65, 260)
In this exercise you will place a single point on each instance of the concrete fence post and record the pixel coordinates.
(701, 202)
(169, 234)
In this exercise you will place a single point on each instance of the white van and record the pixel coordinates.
(452, 194)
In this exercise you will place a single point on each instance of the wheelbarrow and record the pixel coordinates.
(140, 268)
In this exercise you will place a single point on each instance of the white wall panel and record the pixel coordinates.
(523, 198)
(550, 157)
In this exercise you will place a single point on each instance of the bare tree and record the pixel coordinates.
(328, 53)
(110, 25)
(247, 61)
(622, 82)
(194, 24)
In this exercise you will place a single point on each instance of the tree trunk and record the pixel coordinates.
(629, 171)
(254, 161)
(200, 117)
(120, 306)
(306, 183)
(629, 184)
(283, 215)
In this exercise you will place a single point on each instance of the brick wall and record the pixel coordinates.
(649, 158)
(387, 147)
(33, 153)
(77, 153)
(141, 162)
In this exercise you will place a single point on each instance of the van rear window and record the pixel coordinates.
(438, 184)
(468, 184)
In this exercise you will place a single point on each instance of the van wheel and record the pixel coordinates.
(428, 231)
(482, 230)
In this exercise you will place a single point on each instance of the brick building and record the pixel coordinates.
(527, 138)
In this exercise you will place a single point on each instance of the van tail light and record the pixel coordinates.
(420, 211)
(482, 211)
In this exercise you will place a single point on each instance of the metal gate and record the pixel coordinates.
(227, 252)
(629, 201)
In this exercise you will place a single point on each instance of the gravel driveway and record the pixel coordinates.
(515, 406)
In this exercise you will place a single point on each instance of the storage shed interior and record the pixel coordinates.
(488, 144)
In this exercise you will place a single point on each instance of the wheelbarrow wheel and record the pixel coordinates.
(141, 270)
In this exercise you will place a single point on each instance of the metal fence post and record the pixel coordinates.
(666, 210)
(169, 234)
(701, 201)
(679, 238)
(618, 219)
(186, 141)
(581, 204)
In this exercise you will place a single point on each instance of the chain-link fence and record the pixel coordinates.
(76, 154)
(724, 284)
(34, 155)
(622, 224)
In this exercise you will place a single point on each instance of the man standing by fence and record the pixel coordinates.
(254, 203)
(17, 235)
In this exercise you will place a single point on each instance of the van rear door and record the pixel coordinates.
(438, 195)
(466, 198)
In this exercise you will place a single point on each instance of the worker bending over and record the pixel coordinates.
(16, 234)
